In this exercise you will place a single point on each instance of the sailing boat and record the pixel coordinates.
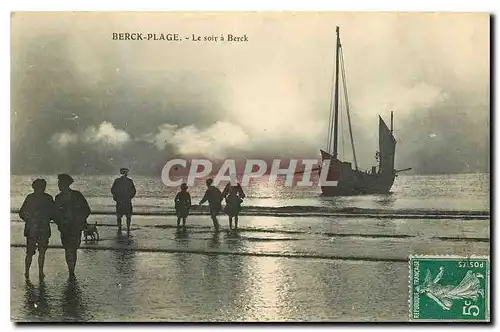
(354, 181)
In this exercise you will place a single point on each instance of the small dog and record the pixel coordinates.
(91, 230)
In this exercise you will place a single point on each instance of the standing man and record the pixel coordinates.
(214, 198)
(72, 211)
(123, 190)
(37, 211)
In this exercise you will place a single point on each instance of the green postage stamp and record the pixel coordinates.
(449, 288)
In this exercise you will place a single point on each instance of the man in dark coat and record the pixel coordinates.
(72, 211)
(214, 197)
(123, 190)
(37, 211)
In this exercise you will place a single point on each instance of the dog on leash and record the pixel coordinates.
(91, 231)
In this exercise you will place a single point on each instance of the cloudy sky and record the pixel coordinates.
(84, 103)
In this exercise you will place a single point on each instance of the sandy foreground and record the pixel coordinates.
(273, 269)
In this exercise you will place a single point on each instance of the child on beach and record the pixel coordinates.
(182, 205)
(234, 197)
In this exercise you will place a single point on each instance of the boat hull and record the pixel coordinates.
(367, 185)
(352, 182)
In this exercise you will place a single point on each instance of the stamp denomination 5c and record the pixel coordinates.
(449, 288)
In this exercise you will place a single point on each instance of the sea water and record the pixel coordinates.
(455, 192)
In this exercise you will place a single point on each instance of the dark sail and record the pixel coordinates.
(387, 146)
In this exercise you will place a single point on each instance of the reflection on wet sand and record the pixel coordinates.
(73, 307)
(181, 236)
(125, 266)
(124, 257)
(211, 269)
(223, 277)
(230, 281)
(240, 282)
(233, 239)
(335, 282)
(214, 241)
(386, 201)
(124, 261)
(265, 281)
(36, 303)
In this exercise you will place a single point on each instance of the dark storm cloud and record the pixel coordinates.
(49, 97)
(82, 103)
(451, 137)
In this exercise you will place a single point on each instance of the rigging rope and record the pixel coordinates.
(341, 102)
(330, 120)
(344, 81)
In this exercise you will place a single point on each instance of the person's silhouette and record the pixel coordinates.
(234, 197)
(123, 190)
(214, 198)
(37, 211)
(182, 205)
(72, 211)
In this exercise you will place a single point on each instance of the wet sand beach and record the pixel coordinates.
(272, 269)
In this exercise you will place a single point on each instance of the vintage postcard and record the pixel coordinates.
(250, 167)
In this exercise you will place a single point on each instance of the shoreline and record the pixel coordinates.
(313, 211)
(229, 253)
(209, 229)
(369, 239)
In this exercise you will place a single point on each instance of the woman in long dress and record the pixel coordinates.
(444, 295)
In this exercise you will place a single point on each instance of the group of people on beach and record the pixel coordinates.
(70, 211)
(233, 193)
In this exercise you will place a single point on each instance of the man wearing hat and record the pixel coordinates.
(123, 190)
(72, 211)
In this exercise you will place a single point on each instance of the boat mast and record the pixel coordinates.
(392, 122)
(336, 116)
